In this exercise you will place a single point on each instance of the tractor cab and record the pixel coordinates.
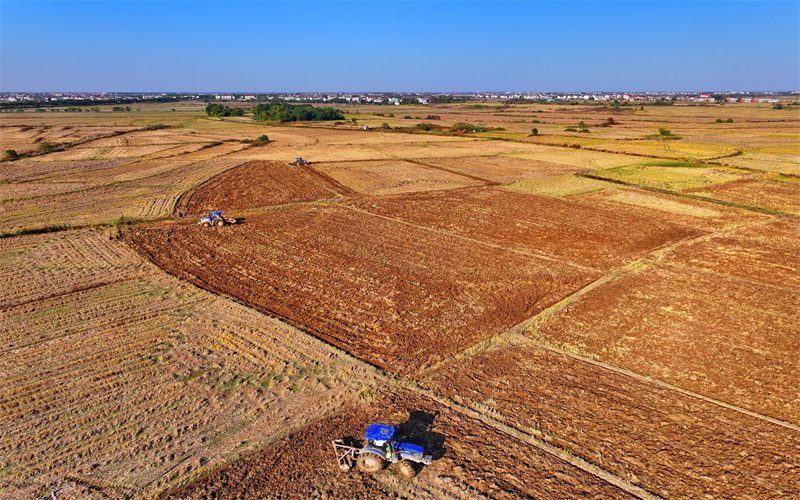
(379, 437)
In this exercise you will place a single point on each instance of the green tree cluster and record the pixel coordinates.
(467, 127)
(214, 109)
(280, 112)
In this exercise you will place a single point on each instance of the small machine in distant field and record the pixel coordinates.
(380, 449)
(299, 161)
(216, 219)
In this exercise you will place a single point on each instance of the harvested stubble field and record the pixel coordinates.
(652, 345)
(123, 381)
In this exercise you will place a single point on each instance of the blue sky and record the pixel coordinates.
(409, 46)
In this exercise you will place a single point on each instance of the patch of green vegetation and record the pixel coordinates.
(675, 164)
(672, 177)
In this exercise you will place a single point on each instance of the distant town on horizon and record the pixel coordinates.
(27, 99)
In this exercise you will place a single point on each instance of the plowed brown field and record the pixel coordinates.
(560, 230)
(718, 316)
(672, 444)
(397, 295)
(261, 184)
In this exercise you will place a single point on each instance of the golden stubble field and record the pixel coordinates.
(121, 381)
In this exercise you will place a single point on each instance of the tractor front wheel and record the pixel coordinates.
(206, 224)
(369, 462)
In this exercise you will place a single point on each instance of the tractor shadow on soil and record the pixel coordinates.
(417, 430)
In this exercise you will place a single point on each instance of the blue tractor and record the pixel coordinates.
(216, 219)
(380, 449)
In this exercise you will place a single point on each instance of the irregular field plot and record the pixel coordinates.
(675, 178)
(773, 193)
(37, 267)
(694, 322)
(502, 169)
(397, 295)
(31, 189)
(468, 458)
(784, 163)
(688, 212)
(768, 253)
(27, 170)
(669, 149)
(260, 184)
(393, 177)
(559, 186)
(126, 386)
(635, 429)
(542, 226)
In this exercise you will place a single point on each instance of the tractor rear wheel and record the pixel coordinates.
(405, 468)
(369, 462)
(220, 222)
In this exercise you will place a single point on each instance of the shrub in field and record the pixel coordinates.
(467, 127)
(535, 131)
(385, 125)
(219, 110)
(729, 120)
(45, 147)
(262, 140)
(718, 120)
(10, 154)
(570, 129)
(425, 126)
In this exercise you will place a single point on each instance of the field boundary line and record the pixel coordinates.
(688, 196)
(71, 291)
(559, 453)
(473, 240)
(667, 385)
(444, 169)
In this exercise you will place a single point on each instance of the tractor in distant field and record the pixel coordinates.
(216, 219)
(299, 161)
(381, 448)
